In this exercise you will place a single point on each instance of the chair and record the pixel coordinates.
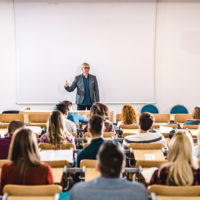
(149, 108)
(48, 146)
(175, 191)
(161, 118)
(20, 192)
(105, 134)
(88, 163)
(182, 118)
(127, 134)
(131, 126)
(57, 167)
(190, 126)
(118, 117)
(90, 171)
(7, 118)
(179, 109)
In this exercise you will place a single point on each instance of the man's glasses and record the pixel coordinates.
(86, 67)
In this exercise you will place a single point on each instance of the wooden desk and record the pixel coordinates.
(91, 173)
(177, 197)
(30, 197)
(148, 155)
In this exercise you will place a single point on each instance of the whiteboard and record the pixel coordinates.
(116, 37)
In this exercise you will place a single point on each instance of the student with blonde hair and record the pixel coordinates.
(57, 133)
(129, 115)
(25, 167)
(182, 168)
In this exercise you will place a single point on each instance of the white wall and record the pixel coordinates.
(177, 56)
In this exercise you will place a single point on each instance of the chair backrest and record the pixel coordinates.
(132, 126)
(48, 146)
(105, 134)
(146, 146)
(118, 117)
(161, 118)
(32, 190)
(149, 108)
(174, 190)
(179, 109)
(190, 126)
(58, 163)
(88, 163)
(181, 118)
(38, 117)
(7, 118)
(127, 134)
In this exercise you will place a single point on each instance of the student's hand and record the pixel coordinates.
(66, 84)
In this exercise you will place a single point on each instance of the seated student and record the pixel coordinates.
(144, 135)
(195, 116)
(103, 111)
(5, 142)
(73, 116)
(57, 133)
(129, 115)
(110, 163)
(95, 127)
(63, 108)
(25, 167)
(181, 169)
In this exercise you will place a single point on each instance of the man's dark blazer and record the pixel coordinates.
(78, 83)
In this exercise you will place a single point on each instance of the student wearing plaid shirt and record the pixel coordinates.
(182, 168)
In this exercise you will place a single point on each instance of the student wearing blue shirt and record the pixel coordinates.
(195, 117)
(73, 116)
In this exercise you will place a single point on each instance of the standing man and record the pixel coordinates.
(87, 88)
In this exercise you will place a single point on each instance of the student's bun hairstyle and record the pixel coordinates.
(146, 120)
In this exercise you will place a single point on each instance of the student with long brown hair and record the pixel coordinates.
(57, 133)
(182, 168)
(25, 167)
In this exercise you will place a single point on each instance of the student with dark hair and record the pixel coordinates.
(145, 135)
(5, 142)
(195, 117)
(103, 111)
(25, 167)
(73, 116)
(110, 163)
(63, 108)
(95, 128)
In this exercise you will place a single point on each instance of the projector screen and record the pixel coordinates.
(116, 37)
